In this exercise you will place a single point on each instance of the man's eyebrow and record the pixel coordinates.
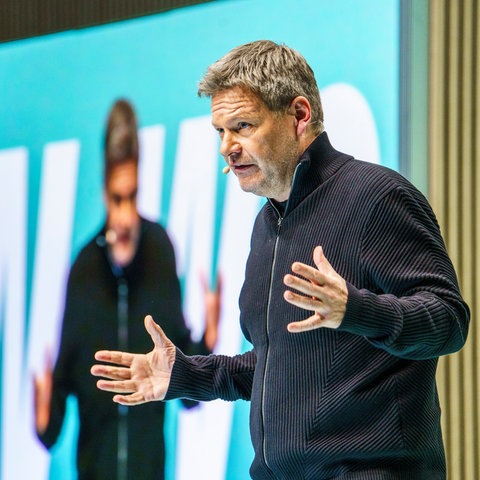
(243, 118)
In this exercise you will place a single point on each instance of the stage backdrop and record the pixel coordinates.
(55, 93)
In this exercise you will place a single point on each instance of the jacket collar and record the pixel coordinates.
(317, 164)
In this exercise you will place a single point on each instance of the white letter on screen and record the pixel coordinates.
(152, 142)
(13, 219)
(51, 266)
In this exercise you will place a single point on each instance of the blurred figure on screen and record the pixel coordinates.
(124, 272)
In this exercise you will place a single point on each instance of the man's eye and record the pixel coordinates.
(243, 125)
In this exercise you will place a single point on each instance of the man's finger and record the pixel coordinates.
(318, 255)
(158, 336)
(130, 400)
(112, 373)
(119, 358)
(307, 303)
(304, 286)
(305, 325)
(312, 274)
(321, 260)
(219, 285)
(116, 386)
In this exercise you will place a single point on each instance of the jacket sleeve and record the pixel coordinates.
(211, 377)
(413, 307)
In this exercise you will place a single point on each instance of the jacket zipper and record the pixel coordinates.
(279, 223)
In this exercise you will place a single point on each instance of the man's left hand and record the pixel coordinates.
(323, 290)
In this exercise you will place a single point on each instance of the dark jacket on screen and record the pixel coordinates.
(91, 323)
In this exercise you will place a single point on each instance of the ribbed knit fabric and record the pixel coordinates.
(359, 402)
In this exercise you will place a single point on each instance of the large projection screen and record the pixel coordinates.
(55, 92)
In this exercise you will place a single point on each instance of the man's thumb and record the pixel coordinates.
(318, 256)
(158, 336)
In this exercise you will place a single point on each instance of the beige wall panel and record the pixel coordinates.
(454, 183)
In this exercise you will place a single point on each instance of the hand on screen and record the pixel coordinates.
(212, 311)
(42, 389)
(138, 378)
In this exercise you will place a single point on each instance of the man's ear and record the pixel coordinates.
(301, 109)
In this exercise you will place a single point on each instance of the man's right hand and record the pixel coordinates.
(138, 378)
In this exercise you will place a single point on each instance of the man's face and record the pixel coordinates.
(260, 146)
(123, 221)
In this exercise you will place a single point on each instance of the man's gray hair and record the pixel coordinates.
(275, 73)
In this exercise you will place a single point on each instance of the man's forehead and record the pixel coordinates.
(234, 100)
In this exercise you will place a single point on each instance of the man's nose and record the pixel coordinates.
(229, 145)
(127, 213)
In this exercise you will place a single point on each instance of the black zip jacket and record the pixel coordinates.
(359, 402)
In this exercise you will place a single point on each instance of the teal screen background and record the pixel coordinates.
(61, 86)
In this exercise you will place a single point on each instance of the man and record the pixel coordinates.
(126, 271)
(341, 376)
